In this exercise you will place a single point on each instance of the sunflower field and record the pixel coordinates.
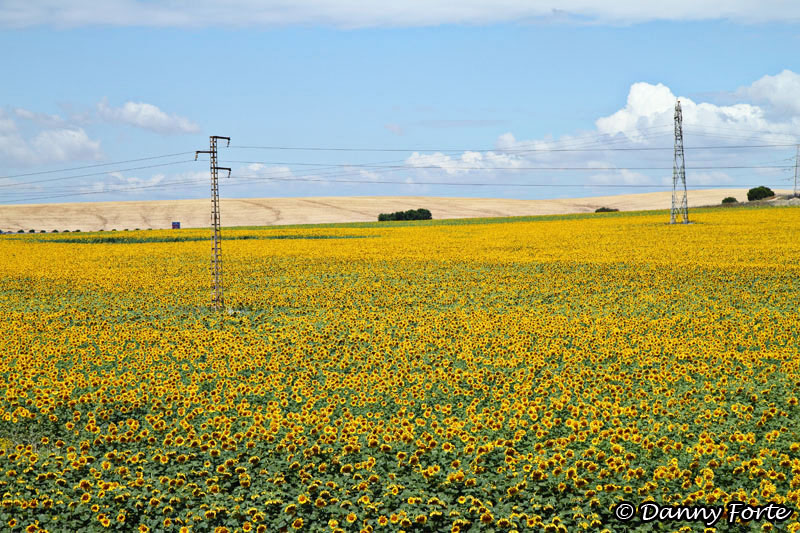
(481, 375)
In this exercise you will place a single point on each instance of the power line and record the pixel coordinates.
(751, 131)
(442, 167)
(479, 184)
(315, 172)
(631, 149)
(593, 143)
(580, 140)
(97, 173)
(93, 166)
(196, 182)
(125, 189)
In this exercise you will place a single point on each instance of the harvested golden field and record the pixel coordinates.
(481, 375)
(158, 214)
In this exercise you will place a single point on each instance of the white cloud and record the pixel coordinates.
(768, 113)
(369, 175)
(714, 177)
(621, 177)
(650, 108)
(146, 116)
(66, 145)
(43, 119)
(135, 181)
(648, 105)
(145, 187)
(467, 162)
(781, 92)
(356, 13)
(52, 145)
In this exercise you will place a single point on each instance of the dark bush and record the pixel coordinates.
(729, 200)
(411, 214)
(54, 231)
(20, 231)
(759, 193)
(31, 231)
(605, 210)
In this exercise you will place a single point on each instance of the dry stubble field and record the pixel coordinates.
(158, 214)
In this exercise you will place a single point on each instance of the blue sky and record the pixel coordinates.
(460, 96)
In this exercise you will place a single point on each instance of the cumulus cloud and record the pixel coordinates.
(650, 107)
(146, 116)
(355, 13)
(144, 186)
(767, 113)
(781, 92)
(66, 145)
(51, 145)
(465, 163)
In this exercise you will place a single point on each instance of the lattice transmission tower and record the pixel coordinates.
(680, 206)
(796, 193)
(218, 298)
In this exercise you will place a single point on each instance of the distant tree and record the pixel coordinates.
(759, 193)
(31, 231)
(411, 214)
(20, 231)
(605, 210)
(54, 231)
(729, 200)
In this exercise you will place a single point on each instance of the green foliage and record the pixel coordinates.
(729, 200)
(759, 193)
(605, 210)
(411, 214)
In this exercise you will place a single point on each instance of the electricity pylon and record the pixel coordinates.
(218, 299)
(680, 204)
(796, 159)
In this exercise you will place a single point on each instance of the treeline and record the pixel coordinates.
(411, 214)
